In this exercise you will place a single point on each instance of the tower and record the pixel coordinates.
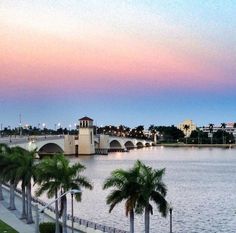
(86, 137)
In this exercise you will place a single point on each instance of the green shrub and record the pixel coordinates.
(48, 227)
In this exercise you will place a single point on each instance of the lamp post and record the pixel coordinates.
(69, 129)
(170, 209)
(73, 191)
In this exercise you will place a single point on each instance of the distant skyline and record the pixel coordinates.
(131, 62)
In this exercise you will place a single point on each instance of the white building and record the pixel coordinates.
(229, 128)
(187, 126)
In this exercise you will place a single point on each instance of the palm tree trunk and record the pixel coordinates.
(29, 212)
(23, 214)
(1, 194)
(12, 205)
(147, 220)
(64, 216)
(131, 217)
(57, 213)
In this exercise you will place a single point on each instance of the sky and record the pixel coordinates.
(131, 62)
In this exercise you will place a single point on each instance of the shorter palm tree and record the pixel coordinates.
(126, 188)
(56, 175)
(153, 190)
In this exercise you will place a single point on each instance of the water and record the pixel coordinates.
(201, 187)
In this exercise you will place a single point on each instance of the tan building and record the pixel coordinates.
(187, 126)
(86, 136)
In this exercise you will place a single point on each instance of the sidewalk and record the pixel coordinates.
(12, 217)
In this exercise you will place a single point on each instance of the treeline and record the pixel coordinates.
(171, 134)
(218, 137)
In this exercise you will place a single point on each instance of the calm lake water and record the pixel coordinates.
(201, 186)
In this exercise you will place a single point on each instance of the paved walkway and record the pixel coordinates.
(12, 218)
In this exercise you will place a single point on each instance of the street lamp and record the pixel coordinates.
(170, 209)
(73, 191)
(69, 128)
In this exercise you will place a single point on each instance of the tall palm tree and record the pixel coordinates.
(16, 165)
(56, 175)
(71, 179)
(126, 188)
(154, 190)
(8, 172)
(2, 154)
(25, 172)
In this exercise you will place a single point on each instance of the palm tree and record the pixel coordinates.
(126, 188)
(25, 172)
(72, 179)
(54, 175)
(152, 189)
(186, 128)
(15, 168)
(153, 130)
(8, 172)
(223, 126)
(2, 154)
(211, 126)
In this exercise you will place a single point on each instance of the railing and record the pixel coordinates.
(80, 221)
(19, 140)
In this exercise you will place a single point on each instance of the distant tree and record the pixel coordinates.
(186, 128)
(228, 137)
(170, 133)
(199, 136)
(223, 126)
(211, 126)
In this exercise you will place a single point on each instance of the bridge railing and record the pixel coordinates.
(19, 140)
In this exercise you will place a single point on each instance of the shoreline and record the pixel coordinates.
(197, 145)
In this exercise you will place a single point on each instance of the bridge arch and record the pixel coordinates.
(50, 148)
(147, 144)
(115, 144)
(139, 144)
(129, 145)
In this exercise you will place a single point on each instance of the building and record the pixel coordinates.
(229, 128)
(187, 126)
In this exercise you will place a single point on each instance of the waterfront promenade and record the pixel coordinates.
(12, 218)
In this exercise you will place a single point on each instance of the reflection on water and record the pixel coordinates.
(201, 187)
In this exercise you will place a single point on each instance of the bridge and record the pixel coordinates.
(69, 144)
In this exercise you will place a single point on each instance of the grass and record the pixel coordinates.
(4, 228)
